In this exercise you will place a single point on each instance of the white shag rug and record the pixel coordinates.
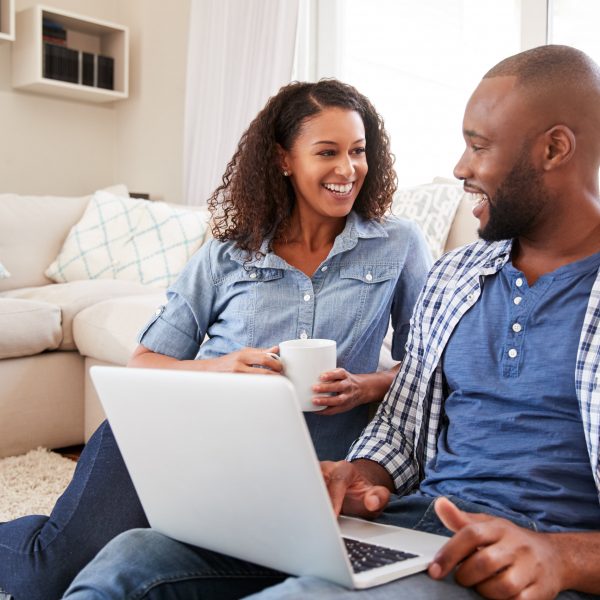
(31, 483)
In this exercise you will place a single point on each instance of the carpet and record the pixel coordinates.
(31, 483)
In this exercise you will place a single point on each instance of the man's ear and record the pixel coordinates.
(560, 145)
(282, 157)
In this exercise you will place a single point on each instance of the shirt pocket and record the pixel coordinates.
(244, 292)
(369, 274)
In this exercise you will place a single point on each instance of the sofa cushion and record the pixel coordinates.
(32, 230)
(108, 331)
(465, 225)
(135, 240)
(71, 298)
(433, 207)
(28, 327)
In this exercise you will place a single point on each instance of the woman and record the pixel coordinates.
(301, 249)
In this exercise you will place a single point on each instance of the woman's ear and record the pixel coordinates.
(282, 157)
(560, 145)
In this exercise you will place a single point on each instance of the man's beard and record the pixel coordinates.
(516, 204)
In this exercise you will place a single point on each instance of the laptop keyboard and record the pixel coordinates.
(364, 557)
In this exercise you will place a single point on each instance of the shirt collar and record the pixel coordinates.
(497, 256)
(356, 227)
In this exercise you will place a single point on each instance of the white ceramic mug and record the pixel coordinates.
(303, 362)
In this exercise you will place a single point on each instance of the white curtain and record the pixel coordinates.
(240, 52)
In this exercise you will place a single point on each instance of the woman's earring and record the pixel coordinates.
(286, 173)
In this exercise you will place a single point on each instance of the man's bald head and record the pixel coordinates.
(550, 67)
(561, 84)
(558, 85)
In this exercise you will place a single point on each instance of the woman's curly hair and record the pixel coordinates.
(255, 200)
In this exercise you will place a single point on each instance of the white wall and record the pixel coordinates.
(57, 146)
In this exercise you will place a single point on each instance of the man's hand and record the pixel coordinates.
(360, 489)
(496, 557)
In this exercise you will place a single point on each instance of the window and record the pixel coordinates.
(419, 60)
(574, 23)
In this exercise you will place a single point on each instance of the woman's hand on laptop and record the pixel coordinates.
(361, 488)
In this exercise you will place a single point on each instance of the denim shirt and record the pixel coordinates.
(374, 271)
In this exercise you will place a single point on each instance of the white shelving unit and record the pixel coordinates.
(7, 20)
(84, 34)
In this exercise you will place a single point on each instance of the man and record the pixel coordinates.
(496, 406)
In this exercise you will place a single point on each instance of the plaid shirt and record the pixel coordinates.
(403, 435)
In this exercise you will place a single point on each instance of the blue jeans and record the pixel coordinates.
(144, 564)
(40, 555)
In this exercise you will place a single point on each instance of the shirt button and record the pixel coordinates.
(159, 310)
(519, 282)
(470, 297)
(253, 275)
(517, 300)
(369, 277)
(516, 327)
(324, 268)
(306, 297)
(512, 353)
(303, 335)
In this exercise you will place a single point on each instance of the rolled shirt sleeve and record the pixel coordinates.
(178, 328)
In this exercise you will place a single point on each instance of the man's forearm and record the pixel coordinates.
(375, 473)
(579, 555)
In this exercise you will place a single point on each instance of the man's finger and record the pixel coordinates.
(463, 544)
(487, 563)
(338, 481)
(508, 583)
(376, 500)
(450, 515)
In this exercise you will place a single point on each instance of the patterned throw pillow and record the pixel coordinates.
(136, 240)
(4, 274)
(433, 206)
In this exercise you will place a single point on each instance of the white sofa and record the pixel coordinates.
(51, 333)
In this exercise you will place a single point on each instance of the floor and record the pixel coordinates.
(71, 452)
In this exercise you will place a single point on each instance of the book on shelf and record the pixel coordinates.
(60, 62)
(54, 30)
(53, 40)
(88, 69)
(74, 66)
(105, 72)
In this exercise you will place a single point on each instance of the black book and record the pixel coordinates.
(105, 72)
(60, 63)
(87, 68)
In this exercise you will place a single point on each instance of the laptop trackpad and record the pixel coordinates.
(393, 537)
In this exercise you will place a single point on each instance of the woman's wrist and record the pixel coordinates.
(374, 386)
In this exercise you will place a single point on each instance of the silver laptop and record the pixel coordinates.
(225, 462)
